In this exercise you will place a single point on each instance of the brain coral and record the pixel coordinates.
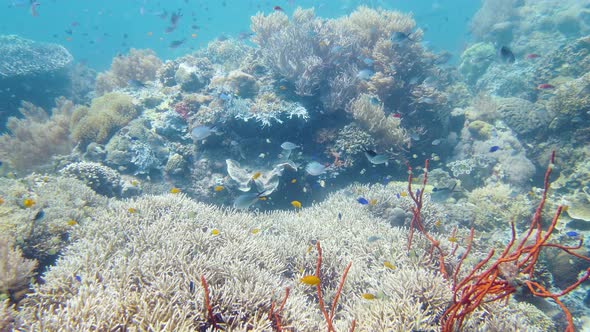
(140, 270)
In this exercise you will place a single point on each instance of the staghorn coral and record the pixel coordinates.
(15, 271)
(64, 201)
(114, 277)
(265, 109)
(138, 65)
(35, 138)
(495, 205)
(106, 115)
(370, 115)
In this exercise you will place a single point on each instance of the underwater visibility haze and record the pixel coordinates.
(294, 165)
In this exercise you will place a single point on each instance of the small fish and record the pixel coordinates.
(310, 280)
(28, 202)
(132, 210)
(494, 148)
(531, 56)
(278, 9)
(289, 146)
(256, 175)
(214, 232)
(339, 216)
(282, 87)
(373, 238)
(218, 188)
(545, 86)
(33, 8)
(201, 132)
(1, 200)
(572, 234)
(39, 215)
(136, 84)
(244, 201)
(373, 202)
(255, 230)
(362, 200)
(296, 204)
(375, 158)
(368, 61)
(191, 286)
(72, 222)
(78, 278)
(224, 96)
(453, 239)
(175, 190)
(293, 180)
(506, 55)
(314, 168)
(442, 194)
(365, 74)
(400, 37)
(398, 196)
(436, 142)
(403, 194)
(176, 43)
(368, 296)
(388, 265)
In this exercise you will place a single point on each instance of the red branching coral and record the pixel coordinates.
(513, 269)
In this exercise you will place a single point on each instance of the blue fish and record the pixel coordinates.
(494, 148)
(398, 196)
(572, 233)
(339, 216)
(78, 278)
(362, 200)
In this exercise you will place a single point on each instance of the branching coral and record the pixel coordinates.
(106, 114)
(369, 113)
(15, 271)
(138, 65)
(34, 139)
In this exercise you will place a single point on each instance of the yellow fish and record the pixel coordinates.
(388, 265)
(28, 202)
(255, 230)
(135, 183)
(452, 239)
(194, 35)
(437, 223)
(296, 204)
(1, 200)
(310, 280)
(132, 210)
(218, 188)
(72, 222)
(256, 175)
(294, 181)
(262, 198)
(373, 202)
(368, 296)
(215, 232)
(403, 194)
(175, 190)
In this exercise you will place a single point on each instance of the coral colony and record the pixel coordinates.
(310, 174)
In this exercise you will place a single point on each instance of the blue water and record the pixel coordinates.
(95, 31)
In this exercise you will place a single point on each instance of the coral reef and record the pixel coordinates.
(125, 253)
(475, 60)
(59, 205)
(138, 66)
(102, 179)
(38, 136)
(369, 114)
(106, 115)
(15, 271)
(23, 57)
